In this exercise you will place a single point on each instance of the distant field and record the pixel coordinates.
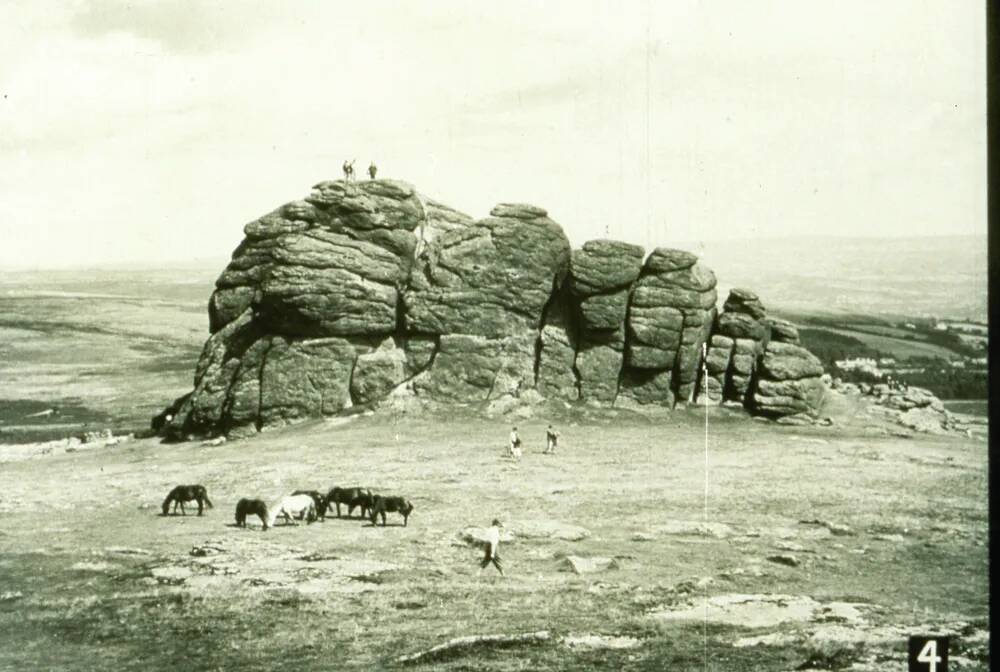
(900, 348)
(970, 406)
(911, 277)
(108, 352)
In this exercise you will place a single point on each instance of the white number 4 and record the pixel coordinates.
(928, 655)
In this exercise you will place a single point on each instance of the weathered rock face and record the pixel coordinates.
(490, 278)
(557, 377)
(671, 315)
(789, 381)
(363, 291)
(601, 274)
(735, 346)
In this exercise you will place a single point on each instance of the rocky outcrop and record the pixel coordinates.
(365, 292)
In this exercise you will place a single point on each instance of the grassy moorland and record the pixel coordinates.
(94, 577)
(87, 351)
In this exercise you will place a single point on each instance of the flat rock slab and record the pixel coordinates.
(476, 536)
(99, 566)
(784, 559)
(549, 529)
(125, 550)
(581, 565)
(837, 529)
(761, 611)
(601, 642)
(696, 528)
(171, 574)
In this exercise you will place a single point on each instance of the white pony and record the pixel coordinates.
(293, 506)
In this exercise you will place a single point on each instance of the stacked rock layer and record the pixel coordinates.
(365, 290)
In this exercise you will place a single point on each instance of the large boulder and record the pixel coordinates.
(491, 278)
(599, 366)
(783, 330)
(717, 360)
(331, 265)
(640, 387)
(786, 361)
(789, 381)
(671, 314)
(469, 368)
(601, 275)
(740, 333)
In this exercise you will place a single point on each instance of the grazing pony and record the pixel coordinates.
(383, 505)
(246, 507)
(320, 500)
(186, 493)
(293, 505)
(353, 498)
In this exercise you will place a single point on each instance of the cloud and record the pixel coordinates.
(151, 129)
(181, 27)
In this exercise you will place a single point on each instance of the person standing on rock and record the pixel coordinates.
(493, 547)
(514, 449)
(551, 439)
(372, 169)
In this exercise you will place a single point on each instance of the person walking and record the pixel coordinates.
(551, 439)
(372, 170)
(493, 547)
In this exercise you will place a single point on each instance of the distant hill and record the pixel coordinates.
(919, 277)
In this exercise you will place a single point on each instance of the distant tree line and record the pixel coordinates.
(933, 373)
(830, 346)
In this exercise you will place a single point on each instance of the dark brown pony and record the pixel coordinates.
(383, 505)
(353, 498)
(187, 493)
(321, 503)
(246, 507)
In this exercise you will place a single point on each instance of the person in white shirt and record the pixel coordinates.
(493, 547)
(514, 449)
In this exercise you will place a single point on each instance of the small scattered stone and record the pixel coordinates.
(601, 642)
(581, 565)
(894, 538)
(784, 559)
(789, 546)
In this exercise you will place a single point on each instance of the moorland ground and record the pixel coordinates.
(93, 577)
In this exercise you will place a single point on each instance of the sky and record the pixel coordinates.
(152, 132)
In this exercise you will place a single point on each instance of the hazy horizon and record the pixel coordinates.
(140, 132)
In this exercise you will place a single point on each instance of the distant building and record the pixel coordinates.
(863, 364)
